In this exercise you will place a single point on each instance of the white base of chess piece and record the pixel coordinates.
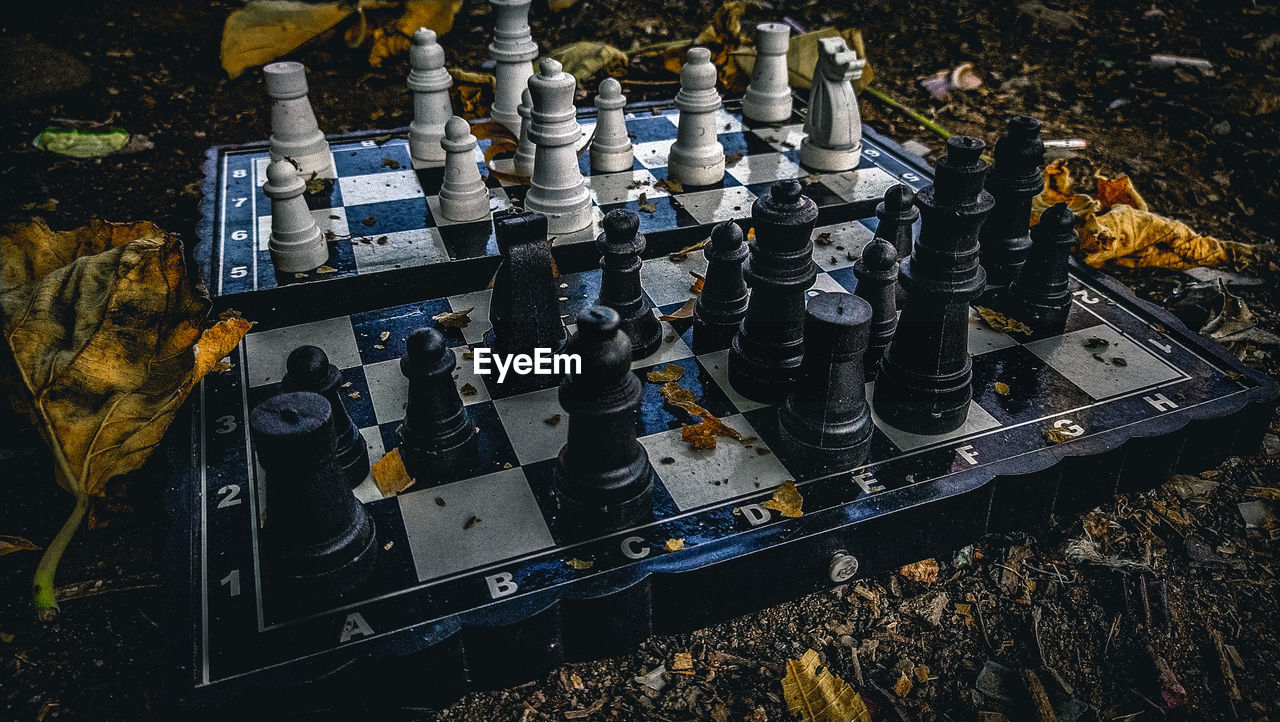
(611, 150)
(463, 195)
(830, 160)
(768, 98)
(697, 158)
(295, 134)
(296, 242)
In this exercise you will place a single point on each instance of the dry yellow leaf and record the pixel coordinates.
(902, 687)
(682, 661)
(1054, 435)
(396, 37)
(674, 545)
(103, 351)
(390, 475)
(685, 311)
(1000, 322)
(815, 696)
(454, 319)
(1131, 238)
(584, 59)
(666, 375)
(699, 281)
(264, 30)
(11, 544)
(1002, 388)
(580, 564)
(683, 253)
(802, 57)
(1117, 191)
(925, 570)
(786, 500)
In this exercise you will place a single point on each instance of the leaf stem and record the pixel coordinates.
(912, 114)
(42, 591)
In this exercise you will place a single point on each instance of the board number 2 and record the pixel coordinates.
(230, 496)
(1083, 295)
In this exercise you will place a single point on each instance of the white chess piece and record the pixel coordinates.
(523, 161)
(295, 134)
(697, 158)
(430, 83)
(768, 97)
(833, 125)
(556, 189)
(463, 195)
(513, 52)
(296, 243)
(611, 150)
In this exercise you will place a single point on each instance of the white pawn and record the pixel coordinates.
(768, 97)
(296, 242)
(524, 150)
(430, 83)
(610, 147)
(556, 189)
(697, 158)
(833, 126)
(295, 134)
(463, 195)
(513, 51)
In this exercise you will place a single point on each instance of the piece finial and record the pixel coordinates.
(457, 129)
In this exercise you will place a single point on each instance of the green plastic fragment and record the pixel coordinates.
(81, 143)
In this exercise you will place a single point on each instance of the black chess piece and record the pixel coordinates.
(603, 475)
(1039, 296)
(877, 274)
(925, 381)
(897, 216)
(524, 307)
(825, 421)
(722, 304)
(620, 247)
(308, 369)
(764, 356)
(319, 539)
(1016, 177)
(437, 437)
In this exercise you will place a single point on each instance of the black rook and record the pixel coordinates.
(318, 536)
(523, 308)
(764, 358)
(924, 384)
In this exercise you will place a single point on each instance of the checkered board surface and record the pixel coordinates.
(436, 560)
(382, 214)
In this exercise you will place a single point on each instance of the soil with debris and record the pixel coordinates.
(1009, 621)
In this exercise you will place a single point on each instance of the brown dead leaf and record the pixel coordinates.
(702, 435)
(802, 57)
(685, 311)
(666, 375)
(1054, 435)
(674, 545)
(683, 253)
(681, 661)
(11, 544)
(815, 696)
(580, 564)
(925, 570)
(454, 319)
(586, 58)
(390, 475)
(902, 687)
(786, 500)
(1002, 388)
(699, 281)
(104, 350)
(1118, 191)
(1130, 238)
(1000, 322)
(396, 36)
(264, 30)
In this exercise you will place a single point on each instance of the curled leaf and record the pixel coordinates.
(815, 696)
(666, 375)
(454, 319)
(786, 500)
(11, 544)
(685, 311)
(1130, 238)
(925, 570)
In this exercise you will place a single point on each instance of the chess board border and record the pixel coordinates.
(508, 642)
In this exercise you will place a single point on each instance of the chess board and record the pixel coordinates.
(481, 581)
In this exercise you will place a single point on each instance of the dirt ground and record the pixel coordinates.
(1203, 147)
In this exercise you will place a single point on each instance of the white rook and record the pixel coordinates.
(556, 189)
(296, 242)
(513, 51)
(430, 83)
(463, 195)
(295, 134)
(834, 125)
(768, 97)
(610, 147)
(697, 158)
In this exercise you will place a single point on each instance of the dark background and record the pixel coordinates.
(1201, 147)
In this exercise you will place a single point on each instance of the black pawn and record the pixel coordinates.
(764, 357)
(524, 307)
(722, 304)
(826, 422)
(437, 437)
(620, 247)
(308, 369)
(319, 538)
(1039, 296)
(925, 381)
(603, 475)
(877, 274)
(897, 216)
(1016, 178)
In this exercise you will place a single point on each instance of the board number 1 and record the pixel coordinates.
(232, 582)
